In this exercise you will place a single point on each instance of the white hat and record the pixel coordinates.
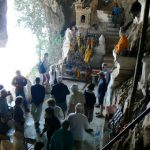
(74, 87)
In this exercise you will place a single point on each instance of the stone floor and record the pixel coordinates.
(91, 140)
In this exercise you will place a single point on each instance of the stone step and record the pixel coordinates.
(107, 12)
(111, 25)
(112, 33)
(108, 58)
(110, 29)
(112, 36)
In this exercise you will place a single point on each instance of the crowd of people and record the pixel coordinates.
(77, 114)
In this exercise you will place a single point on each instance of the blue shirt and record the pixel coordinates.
(116, 11)
(3, 106)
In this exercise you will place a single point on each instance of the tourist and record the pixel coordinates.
(38, 95)
(43, 68)
(54, 74)
(5, 125)
(78, 124)
(57, 110)
(106, 72)
(102, 87)
(46, 66)
(18, 114)
(19, 82)
(60, 92)
(115, 14)
(3, 101)
(62, 139)
(90, 101)
(122, 46)
(51, 124)
(76, 97)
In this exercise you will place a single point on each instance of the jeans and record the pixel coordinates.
(36, 112)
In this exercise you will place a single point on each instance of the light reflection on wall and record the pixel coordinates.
(19, 52)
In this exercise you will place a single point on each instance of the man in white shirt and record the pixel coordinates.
(78, 124)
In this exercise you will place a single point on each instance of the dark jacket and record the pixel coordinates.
(90, 99)
(51, 124)
(38, 94)
(59, 92)
(61, 140)
(18, 115)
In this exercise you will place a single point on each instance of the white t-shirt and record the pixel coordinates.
(78, 97)
(78, 124)
(58, 113)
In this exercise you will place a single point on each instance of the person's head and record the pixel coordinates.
(51, 102)
(59, 80)
(49, 112)
(74, 88)
(104, 66)
(65, 124)
(3, 93)
(116, 5)
(18, 72)
(37, 80)
(1, 86)
(4, 118)
(101, 75)
(19, 101)
(38, 146)
(45, 55)
(79, 108)
(91, 86)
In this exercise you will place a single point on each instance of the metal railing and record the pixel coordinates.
(131, 125)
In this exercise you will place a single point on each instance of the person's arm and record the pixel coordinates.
(14, 82)
(44, 129)
(43, 93)
(94, 99)
(60, 113)
(67, 91)
(71, 104)
(99, 88)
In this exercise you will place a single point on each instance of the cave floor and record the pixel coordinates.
(91, 140)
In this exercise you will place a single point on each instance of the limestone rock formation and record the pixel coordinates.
(60, 14)
(3, 23)
(55, 14)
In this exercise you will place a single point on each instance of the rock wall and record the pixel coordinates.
(3, 23)
(60, 14)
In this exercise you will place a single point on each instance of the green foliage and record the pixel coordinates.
(32, 15)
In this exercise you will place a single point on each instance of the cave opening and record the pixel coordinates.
(20, 50)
